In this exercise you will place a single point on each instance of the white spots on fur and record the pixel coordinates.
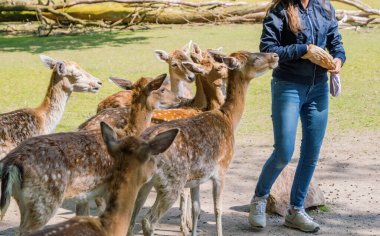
(46, 178)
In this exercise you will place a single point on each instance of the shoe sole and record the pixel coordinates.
(293, 226)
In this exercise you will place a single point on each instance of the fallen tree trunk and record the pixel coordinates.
(111, 13)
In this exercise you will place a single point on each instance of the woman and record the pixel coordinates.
(292, 29)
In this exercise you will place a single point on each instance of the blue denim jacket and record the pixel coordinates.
(319, 27)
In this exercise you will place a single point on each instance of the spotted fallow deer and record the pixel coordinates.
(204, 146)
(118, 117)
(180, 77)
(210, 77)
(19, 125)
(122, 99)
(178, 80)
(45, 170)
(134, 164)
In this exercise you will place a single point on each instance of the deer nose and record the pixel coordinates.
(275, 56)
(100, 83)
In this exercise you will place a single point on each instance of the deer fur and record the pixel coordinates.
(19, 125)
(134, 164)
(204, 147)
(43, 171)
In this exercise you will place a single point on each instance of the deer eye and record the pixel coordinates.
(162, 90)
(174, 64)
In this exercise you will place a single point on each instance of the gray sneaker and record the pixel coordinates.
(257, 216)
(302, 221)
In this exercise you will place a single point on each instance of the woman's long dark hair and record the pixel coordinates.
(291, 8)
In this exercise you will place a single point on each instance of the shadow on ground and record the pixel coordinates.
(37, 45)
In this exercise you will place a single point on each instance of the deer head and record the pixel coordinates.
(214, 72)
(251, 65)
(176, 70)
(150, 92)
(133, 154)
(73, 77)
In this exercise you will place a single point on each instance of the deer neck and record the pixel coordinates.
(52, 107)
(117, 216)
(199, 100)
(139, 119)
(176, 86)
(236, 92)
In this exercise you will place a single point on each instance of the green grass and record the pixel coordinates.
(128, 54)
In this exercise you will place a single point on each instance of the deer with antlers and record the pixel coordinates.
(43, 171)
(19, 125)
(133, 164)
(204, 147)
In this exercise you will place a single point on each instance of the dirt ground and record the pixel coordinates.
(348, 173)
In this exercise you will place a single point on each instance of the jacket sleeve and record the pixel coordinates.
(271, 40)
(334, 39)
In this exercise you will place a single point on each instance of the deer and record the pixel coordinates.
(178, 80)
(19, 125)
(204, 147)
(210, 77)
(134, 163)
(119, 115)
(121, 99)
(180, 77)
(45, 170)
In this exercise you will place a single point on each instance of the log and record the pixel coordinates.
(112, 13)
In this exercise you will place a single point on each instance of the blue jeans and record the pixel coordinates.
(289, 102)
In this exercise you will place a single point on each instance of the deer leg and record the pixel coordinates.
(36, 212)
(217, 189)
(164, 201)
(101, 203)
(196, 208)
(141, 199)
(82, 209)
(186, 221)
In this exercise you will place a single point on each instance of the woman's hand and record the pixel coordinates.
(338, 66)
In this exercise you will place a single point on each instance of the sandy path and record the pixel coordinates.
(348, 173)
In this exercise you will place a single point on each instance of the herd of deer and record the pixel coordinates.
(162, 137)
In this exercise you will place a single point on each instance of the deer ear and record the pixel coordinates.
(109, 137)
(48, 61)
(193, 67)
(162, 55)
(216, 54)
(60, 67)
(121, 83)
(231, 62)
(155, 83)
(197, 49)
(162, 141)
(187, 48)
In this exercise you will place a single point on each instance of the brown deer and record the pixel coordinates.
(178, 81)
(133, 164)
(19, 125)
(180, 77)
(210, 77)
(45, 170)
(122, 99)
(118, 117)
(204, 146)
